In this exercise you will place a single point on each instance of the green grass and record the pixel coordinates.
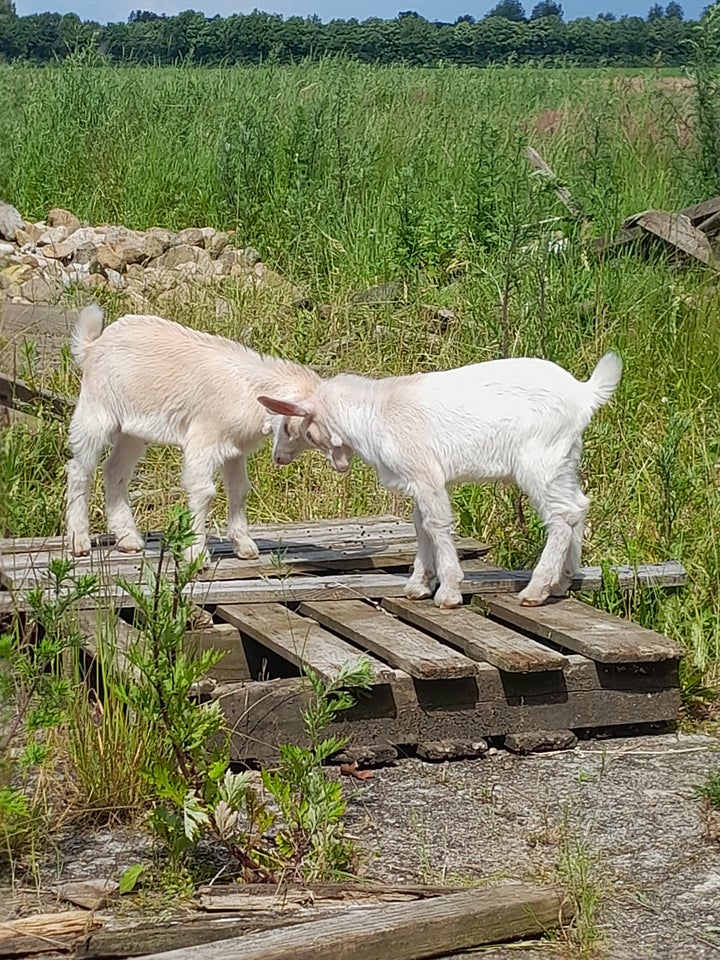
(345, 175)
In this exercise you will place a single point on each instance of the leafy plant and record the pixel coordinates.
(197, 795)
(34, 692)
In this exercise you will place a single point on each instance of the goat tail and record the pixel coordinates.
(88, 328)
(604, 380)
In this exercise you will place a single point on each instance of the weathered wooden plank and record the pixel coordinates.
(392, 640)
(369, 585)
(341, 530)
(46, 932)
(630, 231)
(478, 637)
(25, 570)
(14, 392)
(229, 897)
(560, 189)
(679, 232)
(585, 630)
(701, 211)
(585, 695)
(299, 640)
(104, 629)
(404, 931)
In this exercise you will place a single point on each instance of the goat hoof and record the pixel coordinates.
(418, 591)
(129, 545)
(448, 600)
(245, 549)
(530, 602)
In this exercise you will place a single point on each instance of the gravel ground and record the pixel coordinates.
(623, 809)
(626, 807)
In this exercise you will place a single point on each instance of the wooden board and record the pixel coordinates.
(341, 531)
(586, 694)
(478, 637)
(403, 931)
(586, 630)
(299, 640)
(346, 586)
(374, 629)
(679, 232)
(630, 231)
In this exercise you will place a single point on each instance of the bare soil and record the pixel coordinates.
(624, 810)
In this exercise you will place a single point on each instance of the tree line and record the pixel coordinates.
(506, 34)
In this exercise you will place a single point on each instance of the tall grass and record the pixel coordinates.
(344, 175)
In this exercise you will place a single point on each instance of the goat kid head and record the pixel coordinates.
(302, 427)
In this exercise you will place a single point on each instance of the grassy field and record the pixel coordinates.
(344, 176)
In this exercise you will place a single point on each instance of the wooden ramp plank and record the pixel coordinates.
(478, 637)
(299, 640)
(674, 229)
(585, 630)
(394, 641)
(435, 927)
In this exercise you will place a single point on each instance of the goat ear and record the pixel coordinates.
(285, 408)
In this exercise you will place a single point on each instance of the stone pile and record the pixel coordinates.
(40, 261)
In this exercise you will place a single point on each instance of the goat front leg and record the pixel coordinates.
(437, 519)
(419, 586)
(237, 486)
(198, 470)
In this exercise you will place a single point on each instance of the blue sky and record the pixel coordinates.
(447, 10)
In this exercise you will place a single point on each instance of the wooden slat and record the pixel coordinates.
(585, 694)
(14, 392)
(349, 586)
(701, 211)
(478, 637)
(585, 630)
(394, 641)
(630, 231)
(298, 640)
(25, 570)
(403, 931)
(680, 233)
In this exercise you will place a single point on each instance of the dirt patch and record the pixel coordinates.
(627, 807)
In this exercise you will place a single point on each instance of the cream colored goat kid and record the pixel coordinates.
(148, 380)
(518, 420)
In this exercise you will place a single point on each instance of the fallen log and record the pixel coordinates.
(403, 931)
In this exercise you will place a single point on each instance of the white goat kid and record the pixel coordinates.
(518, 420)
(148, 380)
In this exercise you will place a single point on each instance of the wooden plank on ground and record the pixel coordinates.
(14, 392)
(585, 630)
(679, 232)
(299, 640)
(46, 932)
(561, 190)
(395, 642)
(480, 638)
(404, 931)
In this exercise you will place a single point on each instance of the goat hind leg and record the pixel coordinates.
(117, 470)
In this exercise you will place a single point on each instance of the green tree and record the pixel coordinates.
(673, 11)
(546, 8)
(509, 10)
(655, 12)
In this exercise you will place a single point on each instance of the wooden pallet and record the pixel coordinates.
(323, 593)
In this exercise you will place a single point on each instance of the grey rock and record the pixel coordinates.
(10, 221)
